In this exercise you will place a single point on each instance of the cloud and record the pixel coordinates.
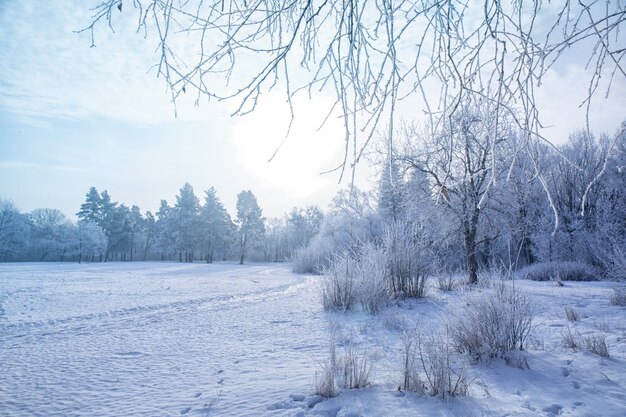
(51, 72)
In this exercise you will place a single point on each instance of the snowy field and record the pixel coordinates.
(169, 339)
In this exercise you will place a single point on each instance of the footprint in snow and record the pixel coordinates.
(565, 372)
(220, 381)
(184, 411)
(197, 394)
(576, 385)
(554, 409)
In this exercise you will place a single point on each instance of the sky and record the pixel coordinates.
(72, 117)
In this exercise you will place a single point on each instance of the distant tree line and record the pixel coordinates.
(189, 231)
(445, 204)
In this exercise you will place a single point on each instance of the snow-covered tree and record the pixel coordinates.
(391, 192)
(14, 231)
(187, 217)
(302, 225)
(49, 234)
(460, 161)
(91, 209)
(136, 224)
(165, 230)
(250, 222)
(216, 226)
(150, 234)
(91, 241)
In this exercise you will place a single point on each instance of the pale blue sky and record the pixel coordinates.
(72, 117)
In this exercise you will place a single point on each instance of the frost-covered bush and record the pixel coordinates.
(618, 297)
(372, 278)
(492, 323)
(410, 259)
(446, 282)
(559, 271)
(410, 371)
(445, 374)
(338, 283)
(613, 259)
(356, 280)
(314, 258)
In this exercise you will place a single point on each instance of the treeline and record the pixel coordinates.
(188, 231)
(462, 199)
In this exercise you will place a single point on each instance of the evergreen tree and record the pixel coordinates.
(91, 209)
(216, 225)
(136, 228)
(164, 228)
(250, 221)
(390, 192)
(187, 210)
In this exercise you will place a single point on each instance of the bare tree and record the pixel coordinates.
(373, 54)
(461, 165)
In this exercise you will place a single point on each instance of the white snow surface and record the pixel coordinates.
(170, 339)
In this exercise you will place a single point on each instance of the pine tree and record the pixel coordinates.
(216, 224)
(187, 212)
(91, 209)
(250, 221)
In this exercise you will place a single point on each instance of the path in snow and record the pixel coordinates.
(155, 339)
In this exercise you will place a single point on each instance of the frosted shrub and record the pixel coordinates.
(446, 282)
(445, 374)
(613, 259)
(559, 271)
(371, 279)
(410, 374)
(493, 323)
(356, 280)
(338, 283)
(314, 258)
(618, 297)
(410, 259)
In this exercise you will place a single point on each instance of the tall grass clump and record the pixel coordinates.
(493, 323)
(431, 366)
(350, 369)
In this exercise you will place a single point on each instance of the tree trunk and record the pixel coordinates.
(470, 252)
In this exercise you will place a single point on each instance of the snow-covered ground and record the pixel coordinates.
(166, 339)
